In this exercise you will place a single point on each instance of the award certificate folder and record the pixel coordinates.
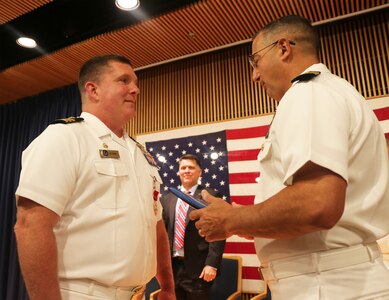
(196, 203)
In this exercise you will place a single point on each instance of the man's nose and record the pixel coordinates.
(135, 89)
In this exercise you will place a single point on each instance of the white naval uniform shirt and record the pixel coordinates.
(326, 121)
(107, 229)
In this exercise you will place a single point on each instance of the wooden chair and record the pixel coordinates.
(151, 288)
(265, 295)
(227, 286)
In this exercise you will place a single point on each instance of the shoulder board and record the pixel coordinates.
(306, 76)
(68, 120)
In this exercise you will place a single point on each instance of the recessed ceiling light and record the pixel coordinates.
(127, 4)
(26, 42)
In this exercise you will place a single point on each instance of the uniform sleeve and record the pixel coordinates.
(314, 126)
(49, 168)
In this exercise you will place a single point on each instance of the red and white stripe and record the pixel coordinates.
(243, 147)
(180, 224)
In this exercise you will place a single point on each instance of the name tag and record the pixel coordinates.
(104, 153)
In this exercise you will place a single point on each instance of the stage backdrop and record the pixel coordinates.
(228, 151)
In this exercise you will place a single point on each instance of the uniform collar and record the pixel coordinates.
(101, 129)
(98, 126)
(94, 122)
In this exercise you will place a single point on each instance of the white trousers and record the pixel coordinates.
(369, 280)
(90, 290)
(74, 295)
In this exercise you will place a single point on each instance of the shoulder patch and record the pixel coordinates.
(150, 159)
(306, 76)
(68, 120)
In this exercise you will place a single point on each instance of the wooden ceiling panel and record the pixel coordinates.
(202, 26)
(10, 10)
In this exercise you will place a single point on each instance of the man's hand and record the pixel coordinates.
(208, 273)
(213, 220)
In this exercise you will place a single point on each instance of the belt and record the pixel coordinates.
(94, 288)
(319, 261)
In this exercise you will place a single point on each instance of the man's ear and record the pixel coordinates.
(91, 91)
(286, 49)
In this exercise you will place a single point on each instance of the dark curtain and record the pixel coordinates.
(20, 123)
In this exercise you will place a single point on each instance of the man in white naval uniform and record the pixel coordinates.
(88, 214)
(323, 197)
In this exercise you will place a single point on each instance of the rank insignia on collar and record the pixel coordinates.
(68, 120)
(306, 76)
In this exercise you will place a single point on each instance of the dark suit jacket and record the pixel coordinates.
(198, 252)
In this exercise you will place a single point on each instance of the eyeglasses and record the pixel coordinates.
(254, 63)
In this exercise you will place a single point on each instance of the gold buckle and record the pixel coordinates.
(138, 292)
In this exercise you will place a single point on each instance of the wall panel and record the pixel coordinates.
(217, 86)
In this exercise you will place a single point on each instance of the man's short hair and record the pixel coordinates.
(190, 157)
(92, 69)
(298, 28)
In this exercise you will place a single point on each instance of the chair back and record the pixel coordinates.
(151, 286)
(265, 295)
(229, 282)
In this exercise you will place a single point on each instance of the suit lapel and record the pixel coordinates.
(172, 201)
(195, 195)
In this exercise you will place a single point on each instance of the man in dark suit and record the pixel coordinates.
(195, 261)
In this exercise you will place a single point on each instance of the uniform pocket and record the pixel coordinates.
(111, 168)
(110, 186)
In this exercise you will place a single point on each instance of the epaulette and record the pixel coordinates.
(306, 76)
(68, 120)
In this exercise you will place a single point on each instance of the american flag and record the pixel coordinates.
(235, 170)
(210, 149)
(233, 173)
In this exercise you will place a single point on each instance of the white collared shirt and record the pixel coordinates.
(326, 121)
(107, 229)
